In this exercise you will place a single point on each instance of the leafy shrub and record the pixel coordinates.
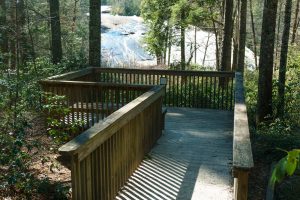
(57, 111)
(285, 167)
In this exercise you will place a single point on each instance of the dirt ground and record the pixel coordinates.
(43, 164)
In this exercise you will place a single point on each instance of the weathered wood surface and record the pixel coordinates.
(91, 101)
(105, 156)
(242, 151)
(196, 89)
(72, 75)
(192, 159)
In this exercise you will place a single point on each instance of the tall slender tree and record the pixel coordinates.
(283, 57)
(226, 48)
(56, 47)
(182, 39)
(266, 61)
(296, 22)
(253, 33)
(243, 33)
(94, 34)
(3, 32)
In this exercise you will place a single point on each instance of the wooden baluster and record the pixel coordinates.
(206, 92)
(87, 106)
(222, 96)
(197, 94)
(190, 90)
(231, 94)
(227, 93)
(102, 172)
(106, 96)
(97, 103)
(210, 93)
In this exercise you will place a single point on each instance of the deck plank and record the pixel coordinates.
(192, 159)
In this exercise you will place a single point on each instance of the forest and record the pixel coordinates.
(43, 38)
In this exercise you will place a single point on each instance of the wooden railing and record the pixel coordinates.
(242, 152)
(197, 89)
(105, 156)
(90, 102)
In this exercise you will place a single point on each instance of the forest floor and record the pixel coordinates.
(289, 189)
(51, 179)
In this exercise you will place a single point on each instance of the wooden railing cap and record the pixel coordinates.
(242, 151)
(90, 139)
(71, 75)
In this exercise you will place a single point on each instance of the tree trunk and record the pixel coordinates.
(74, 15)
(3, 31)
(217, 45)
(243, 33)
(56, 48)
(236, 38)
(205, 50)
(22, 39)
(283, 57)
(169, 47)
(12, 35)
(266, 61)
(182, 41)
(94, 35)
(253, 34)
(226, 48)
(195, 43)
(277, 46)
(296, 21)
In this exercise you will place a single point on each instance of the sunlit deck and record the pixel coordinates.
(201, 154)
(191, 160)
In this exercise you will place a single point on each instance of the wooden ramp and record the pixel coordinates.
(192, 159)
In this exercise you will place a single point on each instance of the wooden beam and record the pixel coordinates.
(165, 72)
(71, 75)
(242, 151)
(100, 132)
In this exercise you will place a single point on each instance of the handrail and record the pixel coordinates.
(105, 156)
(105, 128)
(90, 102)
(71, 75)
(197, 89)
(165, 72)
(98, 84)
(242, 151)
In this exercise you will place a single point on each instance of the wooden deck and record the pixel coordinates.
(192, 159)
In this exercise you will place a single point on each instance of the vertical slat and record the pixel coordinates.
(89, 185)
(86, 92)
(231, 95)
(198, 88)
(177, 92)
(97, 103)
(210, 92)
(215, 84)
(227, 95)
(202, 91)
(92, 100)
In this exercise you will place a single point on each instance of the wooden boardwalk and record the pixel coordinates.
(192, 159)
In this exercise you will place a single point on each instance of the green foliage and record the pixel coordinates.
(20, 97)
(285, 167)
(126, 7)
(60, 130)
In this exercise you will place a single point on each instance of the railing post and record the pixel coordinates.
(75, 177)
(241, 184)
